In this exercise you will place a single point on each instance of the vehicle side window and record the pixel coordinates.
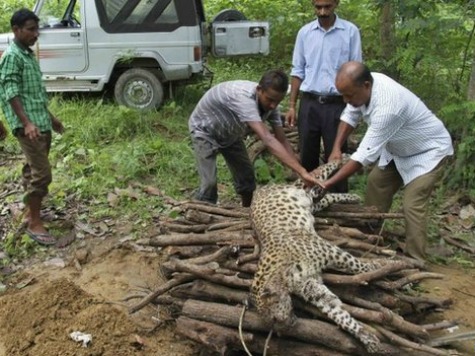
(120, 16)
(60, 14)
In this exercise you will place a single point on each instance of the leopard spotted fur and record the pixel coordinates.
(324, 172)
(292, 258)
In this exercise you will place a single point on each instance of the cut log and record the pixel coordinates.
(210, 238)
(220, 339)
(310, 331)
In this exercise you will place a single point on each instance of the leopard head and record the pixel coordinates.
(275, 305)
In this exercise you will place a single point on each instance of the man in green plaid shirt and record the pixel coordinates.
(24, 102)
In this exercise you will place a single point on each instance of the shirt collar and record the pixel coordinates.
(337, 25)
(21, 47)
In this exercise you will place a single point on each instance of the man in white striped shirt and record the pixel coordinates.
(410, 142)
(221, 120)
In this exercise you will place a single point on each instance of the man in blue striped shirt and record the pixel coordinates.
(321, 47)
(409, 142)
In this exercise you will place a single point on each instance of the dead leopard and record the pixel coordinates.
(292, 259)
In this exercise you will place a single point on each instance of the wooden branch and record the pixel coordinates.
(184, 228)
(207, 273)
(210, 238)
(343, 242)
(202, 218)
(384, 317)
(364, 278)
(416, 277)
(432, 302)
(216, 256)
(220, 339)
(348, 215)
(396, 339)
(175, 281)
(311, 331)
(234, 224)
(243, 213)
(357, 234)
(200, 289)
(458, 244)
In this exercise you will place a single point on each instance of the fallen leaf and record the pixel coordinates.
(152, 190)
(113, 199)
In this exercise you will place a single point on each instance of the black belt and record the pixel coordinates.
(324, 99)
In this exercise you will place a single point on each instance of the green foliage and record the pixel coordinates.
(7, 8)
(107, 147)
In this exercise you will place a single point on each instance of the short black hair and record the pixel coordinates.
(20, 17)
(275, 79)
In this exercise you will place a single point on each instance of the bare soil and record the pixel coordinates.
(46, 302)
(38, 318)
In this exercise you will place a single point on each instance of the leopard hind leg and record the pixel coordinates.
(319, 295)
(346, 262)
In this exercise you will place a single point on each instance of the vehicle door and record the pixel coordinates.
(62, 46)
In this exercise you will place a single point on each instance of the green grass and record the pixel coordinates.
(106, 149)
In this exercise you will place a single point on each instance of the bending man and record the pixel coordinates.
(222, 119)
(410, 142)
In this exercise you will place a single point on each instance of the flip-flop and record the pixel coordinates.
(43, 239)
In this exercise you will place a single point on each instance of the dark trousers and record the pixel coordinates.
(319, 122)
(236, 159)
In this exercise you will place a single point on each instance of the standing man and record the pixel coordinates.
(410, 142)
(222, 119)
(322, 46)
(24, 102)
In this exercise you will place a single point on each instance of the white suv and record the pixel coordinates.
(136, 46)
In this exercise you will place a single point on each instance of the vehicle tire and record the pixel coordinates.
(139, 88)
(229, 15)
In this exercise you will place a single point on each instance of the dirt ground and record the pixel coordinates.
(47, 301)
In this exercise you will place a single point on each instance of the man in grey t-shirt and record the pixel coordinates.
(222, 119)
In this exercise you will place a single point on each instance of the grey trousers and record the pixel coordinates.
(237, 160)
(383, 184)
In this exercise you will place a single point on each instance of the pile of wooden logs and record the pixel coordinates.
(210, 267)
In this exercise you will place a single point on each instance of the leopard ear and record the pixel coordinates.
(266, 293)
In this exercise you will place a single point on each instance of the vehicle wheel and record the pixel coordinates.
(139, 88)
(229, 15)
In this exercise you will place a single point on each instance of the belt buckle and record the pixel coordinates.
(322, 99)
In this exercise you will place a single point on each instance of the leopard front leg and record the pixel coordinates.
(319, 295)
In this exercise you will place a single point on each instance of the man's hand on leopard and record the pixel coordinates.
(318, 191)
(308, 179)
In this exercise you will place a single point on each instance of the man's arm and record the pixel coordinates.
(31, 131)
(344, 131)
(291, 115)
(280, 136)
(347, 170)
(56, 124)
(279, 151)
(3, 131)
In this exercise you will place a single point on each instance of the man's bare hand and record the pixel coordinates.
(318, 191)
(291, 117)
(3, 131)
(57, 125)
(336, 155)
(308, 179)
(31, 131)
